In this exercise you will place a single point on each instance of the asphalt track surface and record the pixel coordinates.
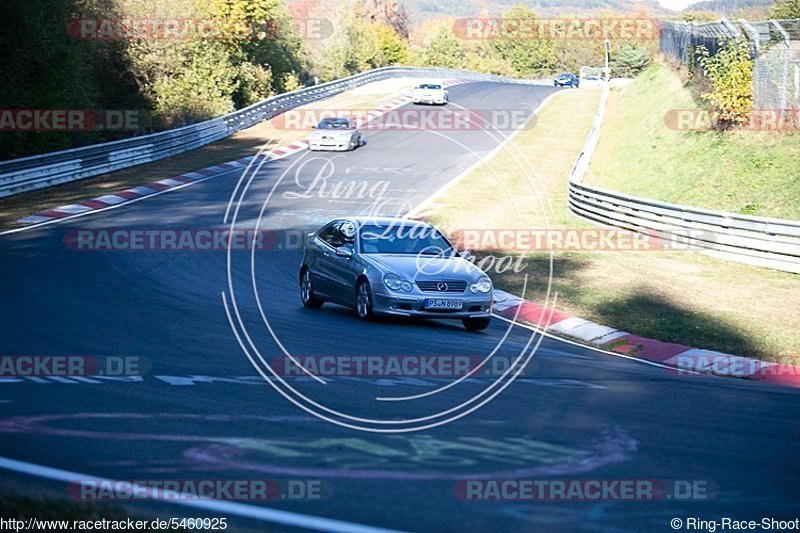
(203, 412)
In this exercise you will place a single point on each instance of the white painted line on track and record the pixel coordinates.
(117, 206)
(253, 512)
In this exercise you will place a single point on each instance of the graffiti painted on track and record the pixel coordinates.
(473, 454)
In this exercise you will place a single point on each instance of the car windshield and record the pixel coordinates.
(334, 124)
(429, 86)
(403, 239)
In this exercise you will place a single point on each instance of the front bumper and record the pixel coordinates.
(411, 304)
(329, 144)
(429, 100)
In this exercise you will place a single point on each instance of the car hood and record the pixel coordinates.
(424, 267)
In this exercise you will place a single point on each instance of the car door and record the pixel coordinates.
(339, 268)
(321, 275)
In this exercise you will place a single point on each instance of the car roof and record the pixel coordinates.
(383, 220)
(335, 119)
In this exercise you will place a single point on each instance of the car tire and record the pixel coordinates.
(364, 301)
(307, 291)
(476, 324)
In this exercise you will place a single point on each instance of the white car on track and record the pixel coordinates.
(335, 134)
(430, 93)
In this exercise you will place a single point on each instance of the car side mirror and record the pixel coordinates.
(344, 252)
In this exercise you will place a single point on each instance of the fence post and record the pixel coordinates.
(785, 70)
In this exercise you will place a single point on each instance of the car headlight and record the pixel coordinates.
(396, 283)
(483, 284)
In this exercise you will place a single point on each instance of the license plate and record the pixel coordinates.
(438, 303)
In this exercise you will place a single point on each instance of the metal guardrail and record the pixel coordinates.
(36, 172)
(765, 242)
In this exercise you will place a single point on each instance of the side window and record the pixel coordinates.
(347, 232)
(328, 234)
(343, 235)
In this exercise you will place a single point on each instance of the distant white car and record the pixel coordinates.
(335, 134)
(430, 93)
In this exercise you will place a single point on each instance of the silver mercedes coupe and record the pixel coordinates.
(335, 134)
(393, 266)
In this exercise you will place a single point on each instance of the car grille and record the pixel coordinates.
(452, 286)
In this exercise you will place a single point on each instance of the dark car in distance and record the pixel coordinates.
(566, 79)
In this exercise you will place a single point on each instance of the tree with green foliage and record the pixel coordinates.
(46, 67)
(628, 60)
(730, 72)
(481, 56)
(785, 9)
(331, 59)
(695, 15)
(201, 85)
(442, 49)
(264, 32)
(194, 78)
(527, 56)
(358, 45)
(363, 40)
(394, 50)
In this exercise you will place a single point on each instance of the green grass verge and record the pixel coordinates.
(744, 171)
(681, 297)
